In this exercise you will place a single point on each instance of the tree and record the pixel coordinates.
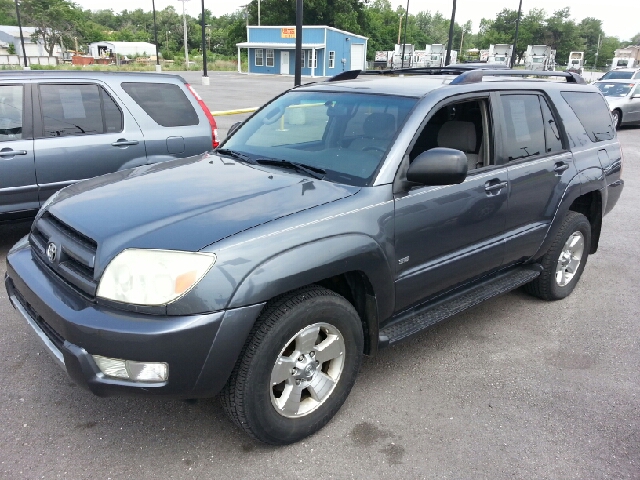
(8, 12)
(54, 20)
(635, 40)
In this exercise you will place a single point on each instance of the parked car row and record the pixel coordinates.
(342, 217)
(60, 127)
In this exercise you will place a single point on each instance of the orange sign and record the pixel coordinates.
(288, 33)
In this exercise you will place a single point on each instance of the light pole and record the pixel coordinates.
(24, 54)
(184, 27)
(515, 40)
(155, 36)
(404, 40)
(167, 32)
(205, 77)
(450, 42)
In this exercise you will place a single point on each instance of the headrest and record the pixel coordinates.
(458, 135)
(379, 125)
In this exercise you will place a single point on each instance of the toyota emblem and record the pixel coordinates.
(52, 251)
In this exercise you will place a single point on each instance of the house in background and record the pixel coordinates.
(10, 34)
(326, 50)
(130, 49)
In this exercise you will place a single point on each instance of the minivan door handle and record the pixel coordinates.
(123, 142)
(10, 153)
(561, 167)
(492, 187)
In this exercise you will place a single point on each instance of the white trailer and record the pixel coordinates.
(628, 57)
(500, 54)
(576, 62)
(398, 61)
(540, 57)
(383, 59)
(433, 56)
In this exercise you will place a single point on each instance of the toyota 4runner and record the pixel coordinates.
(341, 218)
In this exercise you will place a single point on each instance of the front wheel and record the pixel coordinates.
(617, 118)
(297, 368)
(565, 260)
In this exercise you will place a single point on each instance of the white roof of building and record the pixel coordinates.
(15, 32)
(126, 44)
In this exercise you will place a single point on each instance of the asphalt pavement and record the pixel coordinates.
(514, 388)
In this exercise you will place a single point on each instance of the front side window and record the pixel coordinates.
(332, 59)
(344, 134)
(71, 110)
(10, 112)
(593, 113)
(524, 127)
(270, 61)
(259, 57)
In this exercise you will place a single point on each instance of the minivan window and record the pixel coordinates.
(10, 112)
(593, 113)
(524, 126)
(71, 110)
(165, 103)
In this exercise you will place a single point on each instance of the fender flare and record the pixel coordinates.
(315, 261)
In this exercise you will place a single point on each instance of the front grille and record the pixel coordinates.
(48, 330)
(75, 252)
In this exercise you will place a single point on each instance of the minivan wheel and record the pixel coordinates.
(297, 367)
(617, 118)
(565, 260)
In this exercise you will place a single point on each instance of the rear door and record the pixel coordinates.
(82, 132)
(539, 168)
(18, 186)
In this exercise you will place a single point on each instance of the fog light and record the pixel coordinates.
(130, 370)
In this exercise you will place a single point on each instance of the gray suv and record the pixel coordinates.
(57, 128)
(341, 218)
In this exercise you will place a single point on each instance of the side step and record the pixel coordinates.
(425, 316)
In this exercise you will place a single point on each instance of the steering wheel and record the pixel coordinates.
(371, 147)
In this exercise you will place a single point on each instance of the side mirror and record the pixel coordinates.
(233, 128)
(438, 166)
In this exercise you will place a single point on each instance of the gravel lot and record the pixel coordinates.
(514, 388)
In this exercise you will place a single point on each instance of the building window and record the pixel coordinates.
(332, 59)
(270, 61)
(312, 61)
(259, 57)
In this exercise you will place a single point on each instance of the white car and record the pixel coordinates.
(623, 97)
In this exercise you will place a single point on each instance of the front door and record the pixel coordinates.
(18, 185)
(447, 235)
(633, 114)
(284, 62)
(83, 133)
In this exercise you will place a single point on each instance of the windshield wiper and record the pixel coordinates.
(235, 154)
(314, 172)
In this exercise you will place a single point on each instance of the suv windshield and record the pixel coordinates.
(613, 75)
(615, 89)
(346, 135)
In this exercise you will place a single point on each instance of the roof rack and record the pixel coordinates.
(476, 76)
(466, 73)
(456, 69)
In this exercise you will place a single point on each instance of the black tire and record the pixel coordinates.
(617, 118)
(546, 286)
(247, 397)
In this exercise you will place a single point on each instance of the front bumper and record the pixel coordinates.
(201, 350)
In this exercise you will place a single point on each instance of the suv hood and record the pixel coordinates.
(186, 204)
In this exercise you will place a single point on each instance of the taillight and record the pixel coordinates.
(207, 112)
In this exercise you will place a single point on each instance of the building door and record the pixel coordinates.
(357, 57)
(284, 62)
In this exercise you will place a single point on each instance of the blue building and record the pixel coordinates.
(326, 51)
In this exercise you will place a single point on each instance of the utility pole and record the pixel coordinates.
(298, 73)
(155, 36)
(406, 23)
(184, 21)
(450, 42)
(24, 54)
(515, 40)
(461, 40)
(595, 65)
(205, 78)
(258, 12)
(399, 28)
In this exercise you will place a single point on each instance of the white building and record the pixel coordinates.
(130, 49)
(11, 35)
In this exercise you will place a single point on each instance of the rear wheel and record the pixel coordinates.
(565, 260)
(297, 367)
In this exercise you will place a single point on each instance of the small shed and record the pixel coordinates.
(326, 50)
(130, 49)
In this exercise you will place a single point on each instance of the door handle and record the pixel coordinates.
(560, 167)
(11, 153)
(492, 187)
(123, 142)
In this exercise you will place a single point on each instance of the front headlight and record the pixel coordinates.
(153, 277)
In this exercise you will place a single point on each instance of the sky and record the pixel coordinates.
(620, 17)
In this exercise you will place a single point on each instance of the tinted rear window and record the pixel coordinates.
(164, 102)
(593, 113)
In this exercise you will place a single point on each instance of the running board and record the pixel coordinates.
(423, 317)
